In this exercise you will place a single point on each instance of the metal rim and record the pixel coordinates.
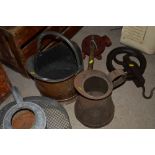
(40, 117)
(56, 34)
(83, 76)
(30, 69)
(30, 62)
(39, 100)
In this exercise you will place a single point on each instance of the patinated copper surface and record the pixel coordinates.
(94, 113)
(61, 91)
(55, 68)
(94, 106)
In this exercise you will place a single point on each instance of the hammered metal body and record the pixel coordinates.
(94, 113)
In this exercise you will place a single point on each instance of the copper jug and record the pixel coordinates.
(94, 106)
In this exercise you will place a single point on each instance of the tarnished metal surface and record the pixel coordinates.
(133, 63)
(40, 118)
(94, 113)
(56, 115)
(61, 91)
(94, 106)
(55, 68)
(24, 115)
(89, 82)
(116, 59)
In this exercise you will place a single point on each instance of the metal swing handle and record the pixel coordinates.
(117, 77)
(58, 35)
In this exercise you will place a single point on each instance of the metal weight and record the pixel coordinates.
(132, 62)
(125, 53)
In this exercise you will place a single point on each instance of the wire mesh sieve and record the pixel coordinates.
(56, 115)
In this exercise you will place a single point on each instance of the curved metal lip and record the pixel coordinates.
(40, 116)
(39, 100)
(56, 34)
(83, 76)
(30, 69)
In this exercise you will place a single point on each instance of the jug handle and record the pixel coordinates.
(17, 96)
(58, 35)
(118, 77)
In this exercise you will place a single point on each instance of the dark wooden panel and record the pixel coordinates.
(19, 43)
(23, 34)
(5, 51)
(31, 48)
